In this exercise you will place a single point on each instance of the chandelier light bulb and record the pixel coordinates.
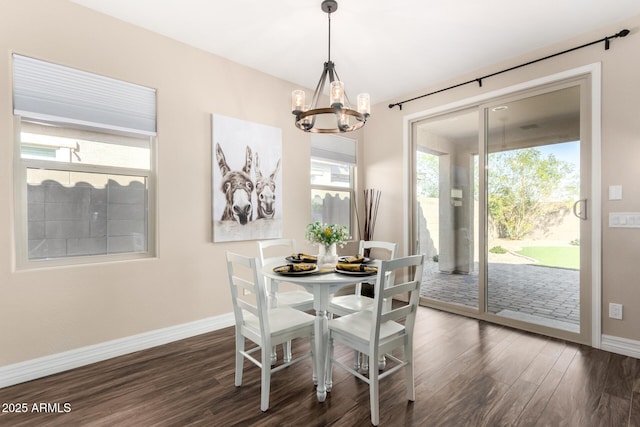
(343, 121)
(336, 97)
(364, 104)
(297, 101)
(306, 122)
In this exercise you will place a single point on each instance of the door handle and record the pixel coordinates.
(583, 211)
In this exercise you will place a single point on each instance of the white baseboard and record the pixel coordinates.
(622, 346)
(59, 362)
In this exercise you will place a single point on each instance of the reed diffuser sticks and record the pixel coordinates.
(371, 203)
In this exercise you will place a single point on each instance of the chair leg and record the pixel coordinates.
(382, 363)
(365, 362)
(274, 356)
(408, 372)
(356, 360)
(374, 394)
(286, 350)
(239, 359)
(265, 382)
(314, 373)
(329, 366)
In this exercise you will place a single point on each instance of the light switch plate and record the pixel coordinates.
(615, 192)
(615, 311)
(624, 219)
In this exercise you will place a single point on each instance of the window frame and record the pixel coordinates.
(21, 236)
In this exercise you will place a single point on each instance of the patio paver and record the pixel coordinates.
(543, 295)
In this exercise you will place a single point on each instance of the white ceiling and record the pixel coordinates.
(386, 48)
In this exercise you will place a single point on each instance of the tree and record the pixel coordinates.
(520, 181)
(428, 174)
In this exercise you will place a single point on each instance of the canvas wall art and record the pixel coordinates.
(247, 180)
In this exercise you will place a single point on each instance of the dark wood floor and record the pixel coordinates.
(468, 373)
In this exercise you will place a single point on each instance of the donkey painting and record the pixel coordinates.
(265, 191)
(237, 187)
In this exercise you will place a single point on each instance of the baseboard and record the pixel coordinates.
(622, 346)
(59, 362)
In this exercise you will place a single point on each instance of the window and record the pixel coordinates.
(84, 180)
(332, 179)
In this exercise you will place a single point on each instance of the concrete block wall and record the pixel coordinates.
(332, 209)
(84, 220)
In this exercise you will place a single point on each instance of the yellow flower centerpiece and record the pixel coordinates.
(327, 237)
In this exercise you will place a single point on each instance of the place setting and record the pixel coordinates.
(296, 269)
(356, 269)
(301, 258)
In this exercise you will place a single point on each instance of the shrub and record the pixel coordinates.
(498, 250)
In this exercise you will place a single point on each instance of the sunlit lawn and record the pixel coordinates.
(554, 256)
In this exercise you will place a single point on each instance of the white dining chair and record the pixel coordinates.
(264, 326)
(379, 332)
(352, 303)
(275, 250)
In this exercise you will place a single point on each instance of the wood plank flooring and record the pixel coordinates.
(467, 373)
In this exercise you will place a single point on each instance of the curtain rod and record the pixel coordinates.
(622, 33)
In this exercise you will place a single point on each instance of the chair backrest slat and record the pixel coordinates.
(400, 288)
(385, 289)
(243, 275)
(395, 314)
(284, 247)
(389, 247)
(378, 244)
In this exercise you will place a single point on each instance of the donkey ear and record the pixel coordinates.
(258, 173)
(247, 161)
(222, 162)
(275, 171)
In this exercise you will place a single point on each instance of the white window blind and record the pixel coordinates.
(333, 147)
(55, 93)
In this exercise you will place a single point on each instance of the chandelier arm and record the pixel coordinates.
(319, 88)
(332, 71)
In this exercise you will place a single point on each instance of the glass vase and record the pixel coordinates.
(327, 257)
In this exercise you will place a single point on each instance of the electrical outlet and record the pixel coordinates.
(615, 311)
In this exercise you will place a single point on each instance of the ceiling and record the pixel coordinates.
(385, 48)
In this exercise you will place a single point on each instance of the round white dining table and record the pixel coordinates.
(322, 285)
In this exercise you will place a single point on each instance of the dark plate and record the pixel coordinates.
(296, 273)
(365, 260)
(298, 260)
(356, 273)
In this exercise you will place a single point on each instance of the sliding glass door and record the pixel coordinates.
(501, 208)
(446, 206)
(535, 209)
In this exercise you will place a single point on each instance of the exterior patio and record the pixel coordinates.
(542, 295)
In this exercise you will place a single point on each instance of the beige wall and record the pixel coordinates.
(49, 311)
(384, 166)
(45, 312)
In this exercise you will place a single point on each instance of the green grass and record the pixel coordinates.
(554, 256)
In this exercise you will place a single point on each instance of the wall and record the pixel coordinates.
(384, 167)
(49, 311)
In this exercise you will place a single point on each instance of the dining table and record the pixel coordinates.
(322, 284)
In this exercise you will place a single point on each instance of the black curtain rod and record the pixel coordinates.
(479, 80)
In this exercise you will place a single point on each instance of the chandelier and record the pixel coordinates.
(346, 118)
